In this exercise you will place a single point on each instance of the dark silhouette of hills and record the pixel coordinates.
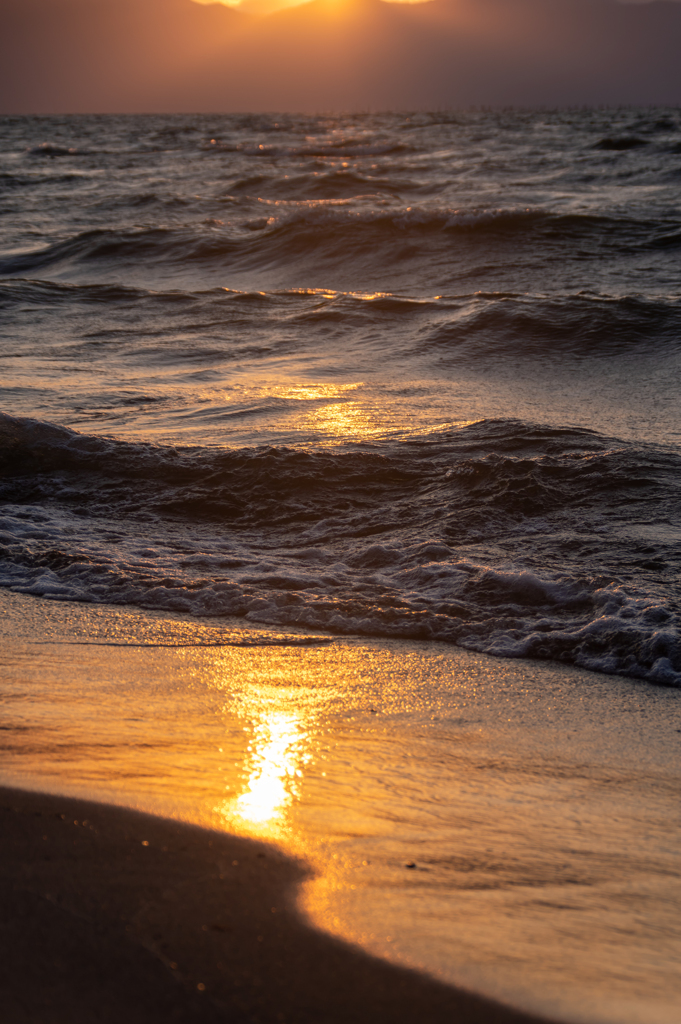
(175, 55)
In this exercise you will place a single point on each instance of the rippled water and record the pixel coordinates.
(384, 375)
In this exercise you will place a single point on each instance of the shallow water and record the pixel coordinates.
(508, 826)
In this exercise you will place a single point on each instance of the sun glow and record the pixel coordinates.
(278, 753)
(280, 721)
(311, 392)
(262, 7)
(344, 419)
(270, 6)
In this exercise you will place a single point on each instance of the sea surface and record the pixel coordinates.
(332, 398)
(392, 376)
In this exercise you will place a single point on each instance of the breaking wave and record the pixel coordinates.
(502, 537)
(266, 235)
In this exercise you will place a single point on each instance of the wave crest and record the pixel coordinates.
(501, 536)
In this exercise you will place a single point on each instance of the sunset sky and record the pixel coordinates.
(180, 55)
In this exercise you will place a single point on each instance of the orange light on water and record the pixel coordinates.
(279, 718)
(278, 753)
(344, 419)
(311, 392)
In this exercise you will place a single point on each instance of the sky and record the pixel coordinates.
(111, 56)
(269, 6)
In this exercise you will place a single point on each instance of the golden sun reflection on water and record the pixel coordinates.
(280, 748)
(278, 754)
(310, 392)
(344, 419)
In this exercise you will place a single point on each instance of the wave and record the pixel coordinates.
(599, 325)
(277, 234)
(48, 294)
(53, 149)
(467, 327)
(36, 180)
(334, 148)
(320, 184)
(621, 143)
(500, 536)
(103, 245)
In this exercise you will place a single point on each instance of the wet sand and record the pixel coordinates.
(507, 828)
(109, 915)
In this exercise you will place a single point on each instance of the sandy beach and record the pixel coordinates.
(390, 807)
(111, 915)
